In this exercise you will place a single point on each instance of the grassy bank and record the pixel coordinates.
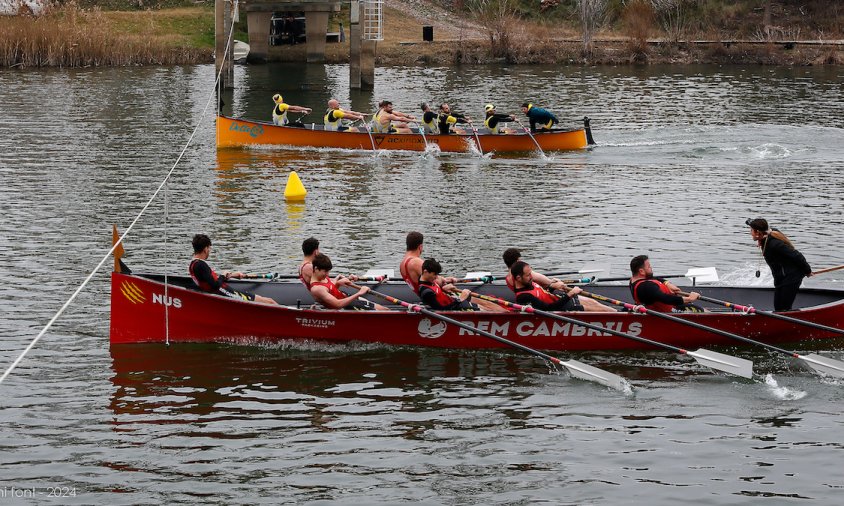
(630, 31)
(71, 36)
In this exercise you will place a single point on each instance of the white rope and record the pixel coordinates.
(166, 284)
(131, 225)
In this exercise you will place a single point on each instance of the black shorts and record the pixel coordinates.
(573, 304)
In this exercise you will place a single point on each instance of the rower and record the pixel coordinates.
(658, 294)
(410, 267)
(207, 280)
(529, 292)
(538, 115)
(493, 120)
(310, 248)
(334, 116)
(447, 118)
(281, 109)
(437, 297)
(429, 119)
(326, 292)
(513, 255)
(382, 122)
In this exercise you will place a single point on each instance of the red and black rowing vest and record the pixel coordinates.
(203, 285)
(443, 299)
(662, 307)
(332, 288)
(538, 292)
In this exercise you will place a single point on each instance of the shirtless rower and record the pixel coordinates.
(411, 270)
(382, 122)
(310, 248)
(513, 255)
(326, 291)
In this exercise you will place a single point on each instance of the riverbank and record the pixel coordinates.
(75, 37)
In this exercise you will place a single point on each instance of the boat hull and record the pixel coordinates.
(239, 133)
(146, 310)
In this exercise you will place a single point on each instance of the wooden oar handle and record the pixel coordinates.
(828, 269)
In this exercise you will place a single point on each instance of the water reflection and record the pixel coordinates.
(187, 383)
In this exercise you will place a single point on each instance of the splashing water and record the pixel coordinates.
(783, 393)
(769, 151)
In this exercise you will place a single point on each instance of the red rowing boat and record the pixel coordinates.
(144, 309)
(240, 132)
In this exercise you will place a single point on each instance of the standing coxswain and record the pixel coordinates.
(788, 266)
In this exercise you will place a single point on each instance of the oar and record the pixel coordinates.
(269, 275)
(698, 275)
(828, 269)
(490, 279)
(575, 368)
(818, 363)
(711, 359)
(527, 130)
(477, 139)
(422, 131)
(369, 128)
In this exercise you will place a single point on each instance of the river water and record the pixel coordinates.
(684, 156)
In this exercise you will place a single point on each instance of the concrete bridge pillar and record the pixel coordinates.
(258, 23)
(316, 26)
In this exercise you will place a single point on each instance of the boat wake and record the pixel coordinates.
(782, 393)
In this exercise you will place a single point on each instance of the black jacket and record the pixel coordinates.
(787, 264)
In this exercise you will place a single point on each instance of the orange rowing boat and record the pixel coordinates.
(239, 133)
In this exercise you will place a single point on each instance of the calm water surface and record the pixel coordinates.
(685, 155)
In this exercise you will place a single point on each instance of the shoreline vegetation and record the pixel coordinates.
(171, 32)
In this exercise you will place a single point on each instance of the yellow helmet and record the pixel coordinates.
(489, 107)
(277, 98)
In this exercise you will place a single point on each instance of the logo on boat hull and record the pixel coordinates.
(430, 330)
(530, 328)
(253, 131)
(316, 323)
(132, 293)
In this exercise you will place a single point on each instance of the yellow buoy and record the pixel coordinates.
(294, 190)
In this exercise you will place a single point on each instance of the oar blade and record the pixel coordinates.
(703, 275)
(596, 269)
(374, 273)
(589, 373)
(726, 363)
(824, 365)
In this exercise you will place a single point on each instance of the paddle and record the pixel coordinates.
(816, 362)
(828, 269)
(819, 363)
(527, 130)
(422, 131)
(575, 368)
(711, 359)
(369, 128)
(477, 139)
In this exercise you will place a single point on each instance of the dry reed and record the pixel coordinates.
(72, 37)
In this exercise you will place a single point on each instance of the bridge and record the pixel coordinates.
(364, 31)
